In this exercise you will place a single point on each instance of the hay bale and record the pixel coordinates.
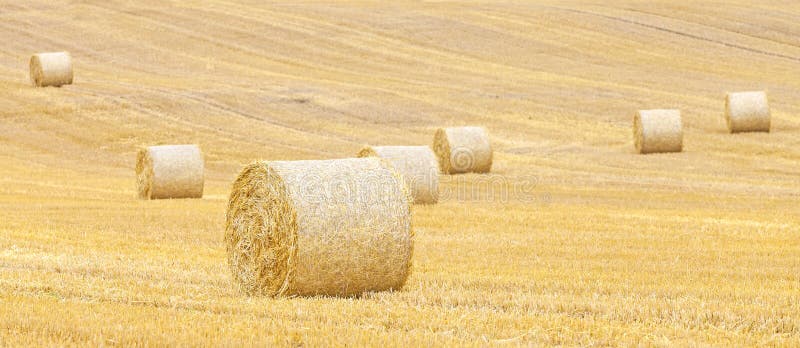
(330, 227)
(747, 112)
(417, 165)
(170, 171)
(463, 150)
(51, 69)
(658, 131)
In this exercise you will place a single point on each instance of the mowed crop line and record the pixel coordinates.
(461, 110)
(713, 62)
(285, 61)
(570, 80)
(282, 126)
(587, 35)
(138, 106)
(681, 27)
(386, 90)
(366, 40)
(687, 35)
(479, 65)
(64, 130)
(189, 34)
(161, 266)
(72, 194)
(178, 124)
(708, 20)
(147, 109)
(619, 179)
(149, 243)
(720, 152)
(716, 27)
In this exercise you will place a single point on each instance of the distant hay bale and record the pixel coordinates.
(51, 69)
(658, 131)
(463, 150)
(170, 171)
(327, 227)
(747, 112)
(417, 165)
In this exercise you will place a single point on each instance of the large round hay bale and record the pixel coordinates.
(747, 112)
(417, 165)
(658, 131)
(170, 171)
(51, 69)
(463, 150)
(329, 227)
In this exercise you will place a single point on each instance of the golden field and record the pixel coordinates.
(604, 247)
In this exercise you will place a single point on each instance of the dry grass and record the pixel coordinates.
(607, 247)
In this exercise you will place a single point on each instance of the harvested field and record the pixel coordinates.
(571, 239)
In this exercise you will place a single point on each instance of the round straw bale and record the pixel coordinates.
(328, 227)
(170, 171)
(417, 165)
(747, 112)
(463, 150)
(658, 131)
(51, 69)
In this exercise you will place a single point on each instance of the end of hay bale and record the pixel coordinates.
(367, 151)
(747, 112)
(51, 69)
(463, 150)
(638, 132)
(331, 227)
(170, 171)
(657, 131)
(261, 232)
(441, 147)
(144, 174)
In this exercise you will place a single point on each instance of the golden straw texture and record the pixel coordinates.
(417, 165)
(51, 69)
(333, 227)
(463, 150)
(170, 171)
(658, 131)
(747, 112)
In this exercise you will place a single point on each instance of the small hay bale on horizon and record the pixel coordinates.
(417, 165)
(747, 112)
(656, 131)
(463, 150)
(51, 69)
(170, 171)
(323, 227)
